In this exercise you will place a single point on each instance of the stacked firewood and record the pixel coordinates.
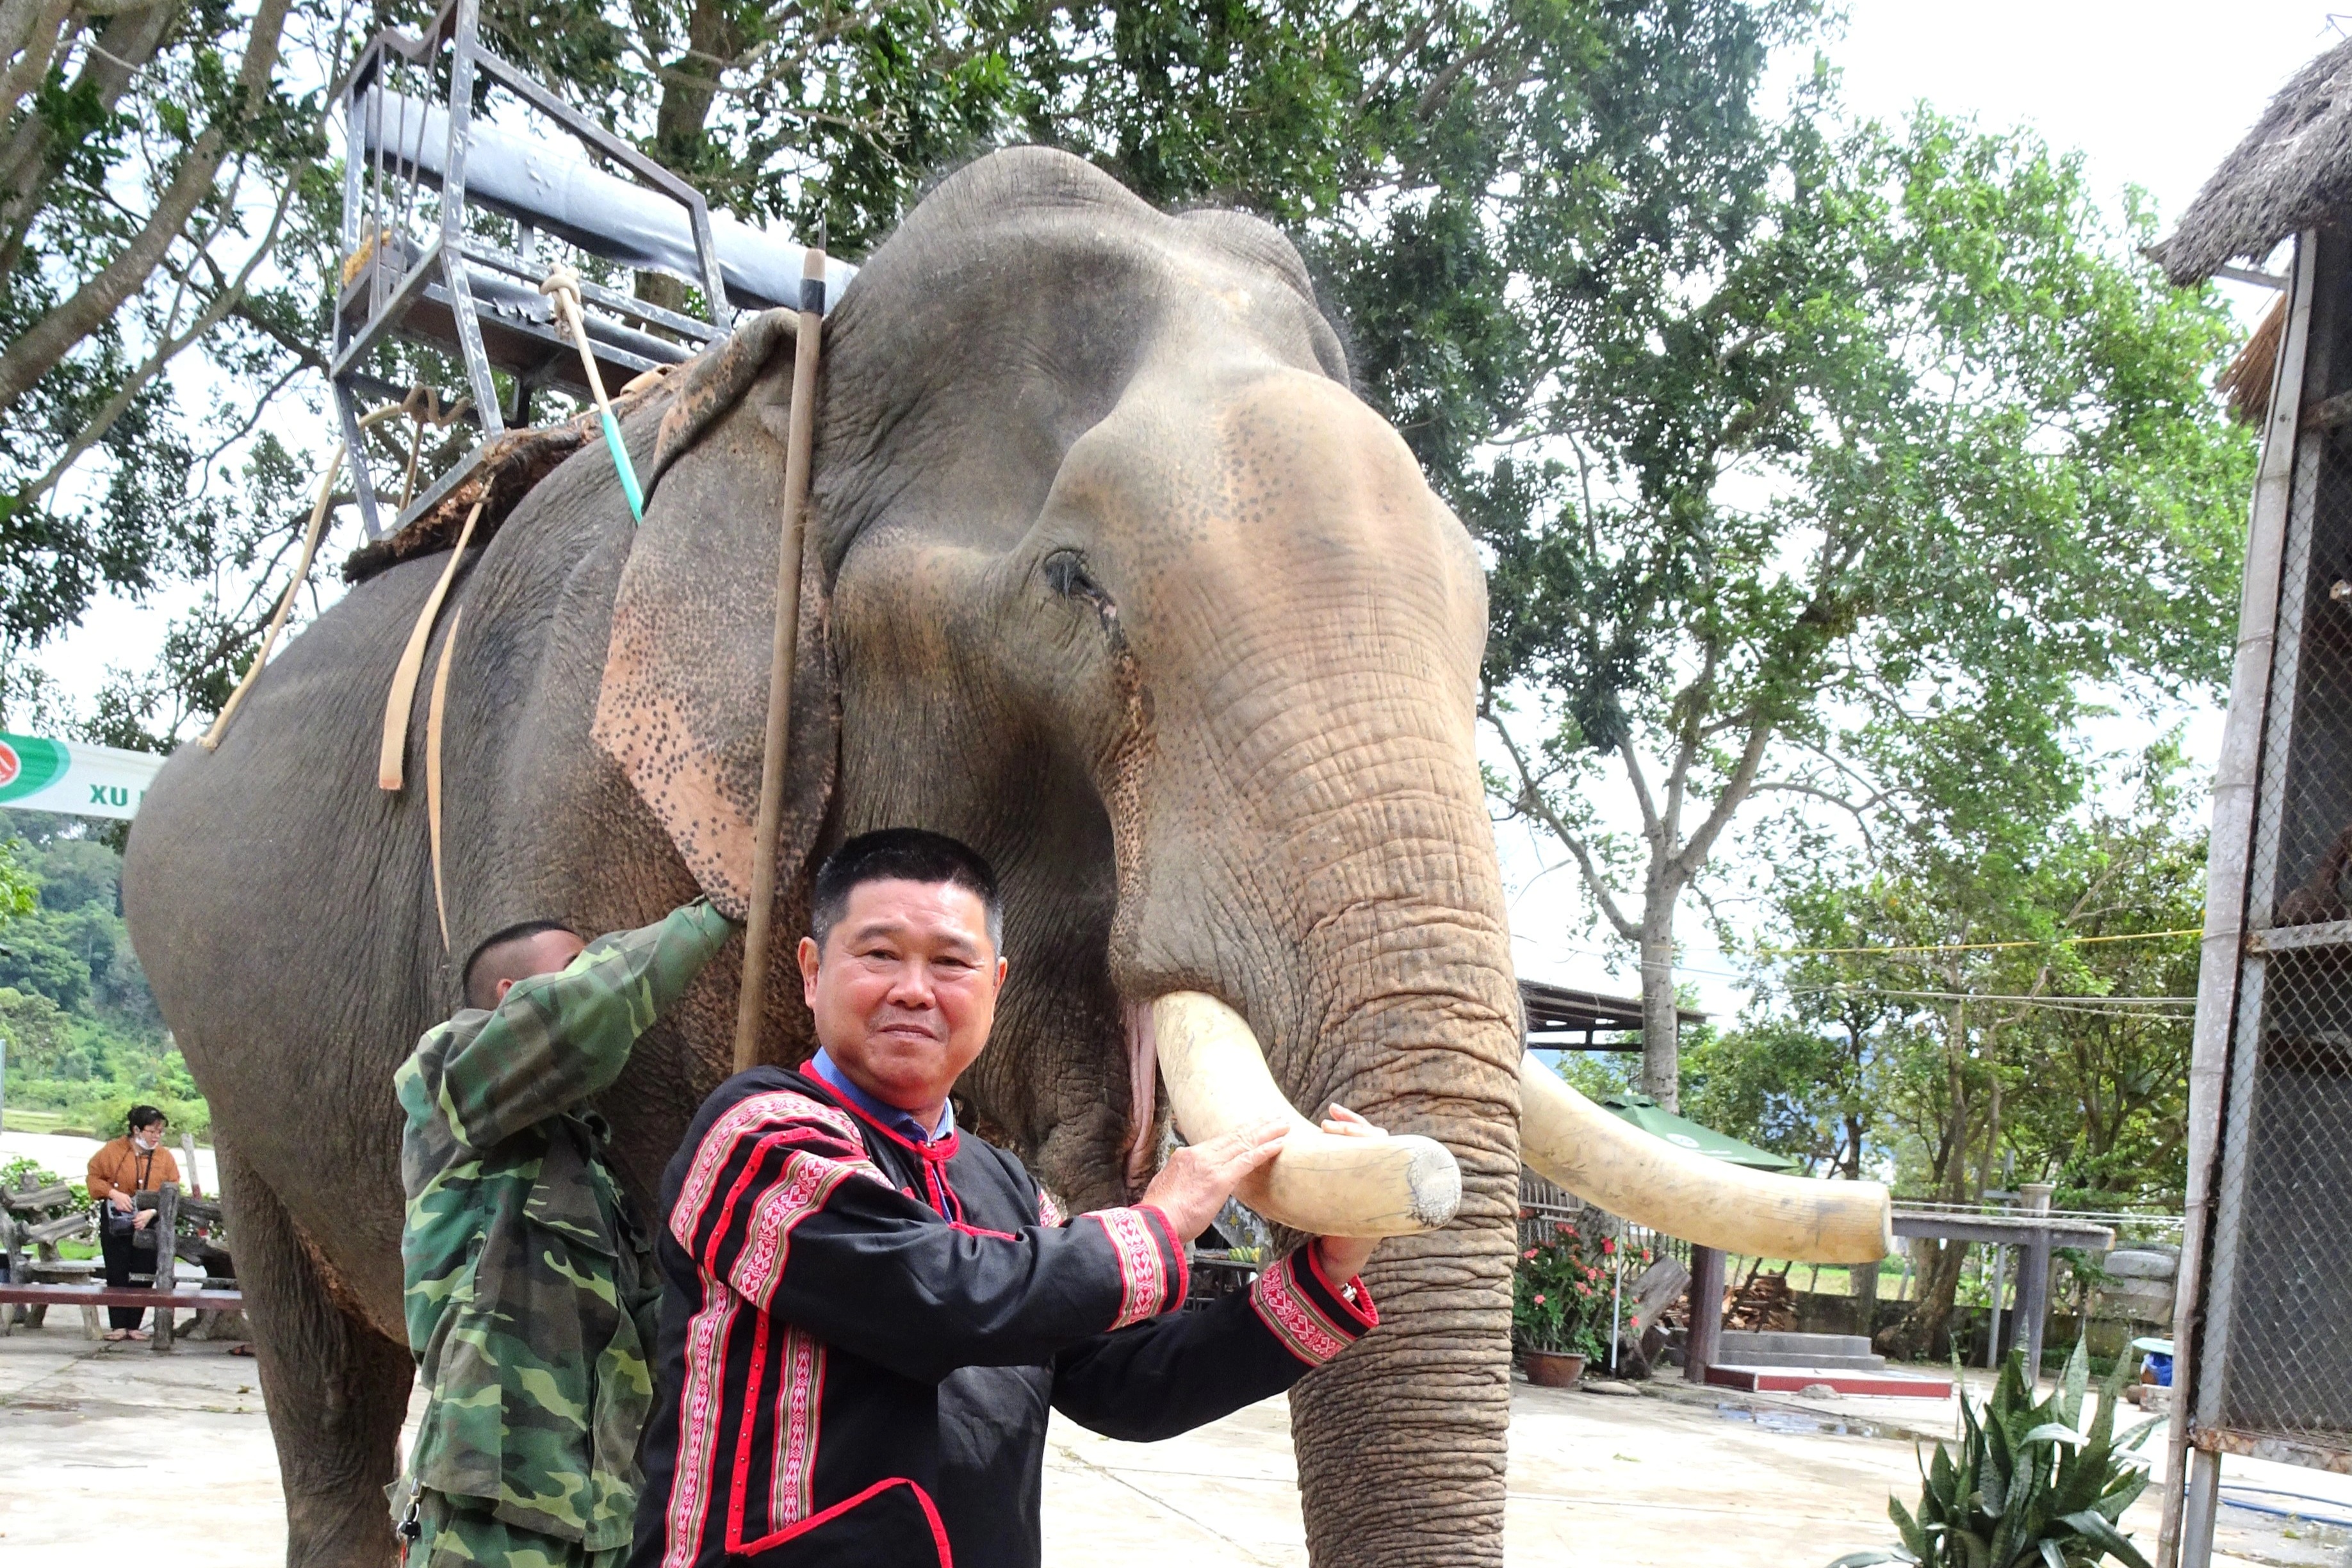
(1765, 1303)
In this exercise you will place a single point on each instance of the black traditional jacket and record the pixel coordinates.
(861, 1336)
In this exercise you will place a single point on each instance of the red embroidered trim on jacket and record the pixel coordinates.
(706, 1333)
(806, 1181)
(780, 1106)
(940, 1554)
(1299, 1322)
(791, 1490)
(1183, 1287)
(1142, 1275)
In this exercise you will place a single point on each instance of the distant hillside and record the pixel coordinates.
(84, 1040)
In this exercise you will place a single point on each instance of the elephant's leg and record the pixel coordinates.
(336, 1389)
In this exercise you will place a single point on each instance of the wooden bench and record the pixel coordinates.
(95, 1296)
(80, 1271)
(26, 1288)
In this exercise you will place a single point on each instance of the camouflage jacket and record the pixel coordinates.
(528, 1288)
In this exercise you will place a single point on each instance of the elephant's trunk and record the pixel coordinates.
(1302, 839)
(1376, 974)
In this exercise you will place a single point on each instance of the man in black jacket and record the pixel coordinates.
(866, 1314)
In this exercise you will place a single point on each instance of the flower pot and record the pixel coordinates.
(1554, 1369)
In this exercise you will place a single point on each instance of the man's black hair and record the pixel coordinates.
(143, 1115)
(902, 855)
(522, 931)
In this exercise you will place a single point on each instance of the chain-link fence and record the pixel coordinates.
(2274, 1357)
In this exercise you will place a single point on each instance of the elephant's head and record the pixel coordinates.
(1111, 575)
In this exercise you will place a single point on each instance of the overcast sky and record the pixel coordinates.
(2152, 95)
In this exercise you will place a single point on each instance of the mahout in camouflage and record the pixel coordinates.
(530, 1292)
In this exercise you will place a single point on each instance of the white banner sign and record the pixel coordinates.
(40, 774)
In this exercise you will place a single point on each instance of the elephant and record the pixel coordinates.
(1109, 573)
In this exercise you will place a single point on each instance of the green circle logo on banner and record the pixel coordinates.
(28, 763)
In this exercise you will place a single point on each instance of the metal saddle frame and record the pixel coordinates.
(420, 162)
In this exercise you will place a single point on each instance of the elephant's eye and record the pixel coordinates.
(1065, 574)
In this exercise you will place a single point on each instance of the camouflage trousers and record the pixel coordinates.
(451, 1532)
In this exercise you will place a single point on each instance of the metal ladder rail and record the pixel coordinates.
(444, 261)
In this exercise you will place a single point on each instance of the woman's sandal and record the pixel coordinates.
(116, 1336)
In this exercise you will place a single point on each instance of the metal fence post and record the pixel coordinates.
(2034, 1281)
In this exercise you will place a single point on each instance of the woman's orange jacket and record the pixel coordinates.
(118, 1165)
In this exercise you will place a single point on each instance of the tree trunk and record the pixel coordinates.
(1661, 1025)
(689, 86)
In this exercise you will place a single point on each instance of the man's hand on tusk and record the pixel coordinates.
(1342, 1258)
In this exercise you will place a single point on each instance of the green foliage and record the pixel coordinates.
(2045, 916)
(2030, 1486)
(1561, 1293)
(83, 1034)
(19, 894)
(1826, 499)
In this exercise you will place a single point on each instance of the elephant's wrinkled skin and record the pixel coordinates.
(1112, 576)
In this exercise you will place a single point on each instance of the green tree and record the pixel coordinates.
(20, 894)
(1993, 987)
(35, 1030)
(1831, 483)
(43, 955)
(1424, 155)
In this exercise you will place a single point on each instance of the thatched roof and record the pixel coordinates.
(2244, 383)
(2293, 171)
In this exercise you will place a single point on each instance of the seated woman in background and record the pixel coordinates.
(133, 1164)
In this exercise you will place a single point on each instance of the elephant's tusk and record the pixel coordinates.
(1217, 1081)
(1649, 1181)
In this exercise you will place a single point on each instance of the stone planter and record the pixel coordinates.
(1553, 1368)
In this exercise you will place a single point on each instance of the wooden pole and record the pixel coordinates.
(753, 1007)
(166, 1226)
(1703, 1342)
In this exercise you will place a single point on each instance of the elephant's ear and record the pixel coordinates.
(684, 701)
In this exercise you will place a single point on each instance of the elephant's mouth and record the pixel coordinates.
(1323, 1185)
(1319, 1184)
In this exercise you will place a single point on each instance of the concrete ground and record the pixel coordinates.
(97, 1442)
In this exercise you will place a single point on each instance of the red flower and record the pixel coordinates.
(1532, 1254)
(1539, 1299)
(1608, 1245)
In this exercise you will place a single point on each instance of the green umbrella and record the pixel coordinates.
(1655, 1119)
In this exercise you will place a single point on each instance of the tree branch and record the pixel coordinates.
(1798, 786)
(37, 352)
(1727, 800)
(128, 393)
(1532, 802)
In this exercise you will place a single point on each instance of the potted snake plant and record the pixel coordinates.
(2030, 1486)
